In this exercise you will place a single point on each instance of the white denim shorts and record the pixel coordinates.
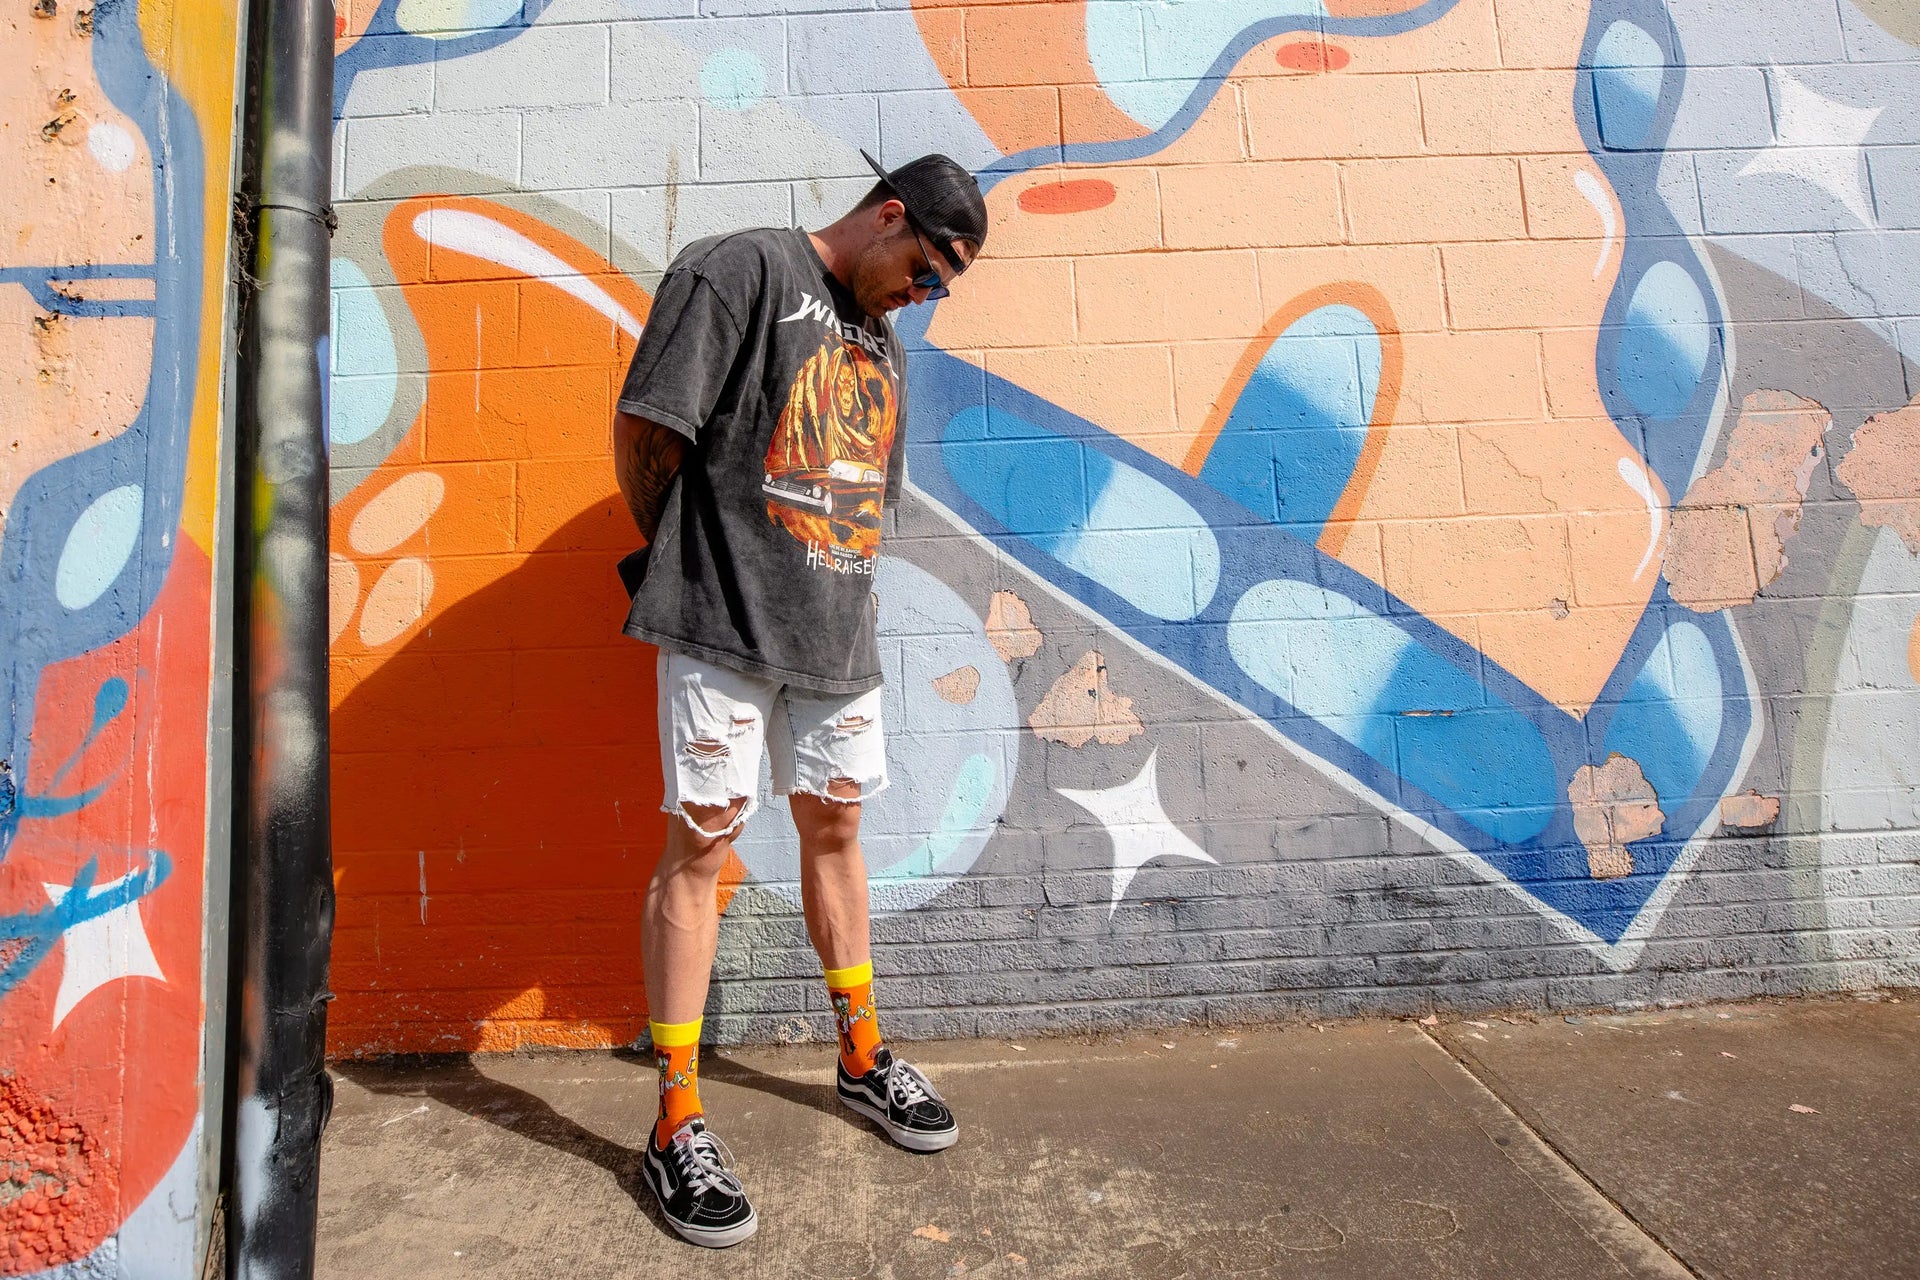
(715, 722)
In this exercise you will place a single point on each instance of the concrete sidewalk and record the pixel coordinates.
(1644, 1145)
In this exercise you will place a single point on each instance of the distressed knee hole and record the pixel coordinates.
(852, 724)
(706, 750)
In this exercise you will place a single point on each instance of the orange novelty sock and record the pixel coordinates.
(676, 1049)
(852, 992)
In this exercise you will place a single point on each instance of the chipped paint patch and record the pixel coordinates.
(1010, 628)
(1749, 811)
(1613, 805)
(959, 685)
(1882, 470)
(1081, 708)
(58, 1192)
(1730, 532)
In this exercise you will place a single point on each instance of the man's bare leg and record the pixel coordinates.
(833, 874)
(679, 927)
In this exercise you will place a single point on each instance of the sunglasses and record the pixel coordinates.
(930, 278)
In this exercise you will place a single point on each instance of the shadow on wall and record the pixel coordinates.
(496, 814)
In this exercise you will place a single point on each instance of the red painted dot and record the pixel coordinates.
(1312, 55)
(1078, 196)
(339, 25)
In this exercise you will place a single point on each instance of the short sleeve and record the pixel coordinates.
(686, 353)
(897, 460)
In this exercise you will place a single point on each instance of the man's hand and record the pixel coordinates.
(646, 457)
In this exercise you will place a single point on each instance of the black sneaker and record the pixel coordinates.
(693, 1178)
(901, 1100)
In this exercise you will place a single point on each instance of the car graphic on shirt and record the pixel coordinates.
(849, 491)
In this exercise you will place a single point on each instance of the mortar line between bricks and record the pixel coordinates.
(1564, 1162)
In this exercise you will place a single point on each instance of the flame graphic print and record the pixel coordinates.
(826, 472)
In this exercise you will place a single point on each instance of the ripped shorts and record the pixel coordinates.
(714, 723)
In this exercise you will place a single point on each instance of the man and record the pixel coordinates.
(758, 437)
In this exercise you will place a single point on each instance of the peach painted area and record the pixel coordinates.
(496, 783)
(77, 182)
(1519, 518)
(1913, 650)
(1023, 72)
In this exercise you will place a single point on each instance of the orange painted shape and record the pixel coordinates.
(1077, 196)
(1913, 650)
(1312, 56)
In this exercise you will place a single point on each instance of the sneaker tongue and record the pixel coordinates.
(688, 1131)
(882, 1058)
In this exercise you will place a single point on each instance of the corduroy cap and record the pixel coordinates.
(942, 199)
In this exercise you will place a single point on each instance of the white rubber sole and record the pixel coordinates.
(715, 1239)
(906, 1138)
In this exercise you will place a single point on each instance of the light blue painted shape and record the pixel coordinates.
(1415, 713)
(1670, 719)
(734, 79)
(98, 546)
(365, 364)
(450, 17)
(1629, 69)
(967, 804)
(1096, 515)
(1665, 341)
(1290, 446)
(1149, 54)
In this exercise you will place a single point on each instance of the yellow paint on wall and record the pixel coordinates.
(197, 47)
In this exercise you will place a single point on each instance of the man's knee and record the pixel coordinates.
(831, 821)
(700, 836)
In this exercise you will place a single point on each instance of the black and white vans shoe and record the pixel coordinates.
(693, 1178)
(901, 1100)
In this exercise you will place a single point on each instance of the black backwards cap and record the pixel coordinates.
(942, 199)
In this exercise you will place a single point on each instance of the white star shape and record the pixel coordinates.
(1818, 141)
(1139, 826)
(110, 946)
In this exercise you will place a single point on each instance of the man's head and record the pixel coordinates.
(918, 228)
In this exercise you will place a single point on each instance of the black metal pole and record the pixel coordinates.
(283, 899)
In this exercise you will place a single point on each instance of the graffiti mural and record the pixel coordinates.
(1381, 526)
(112, 285)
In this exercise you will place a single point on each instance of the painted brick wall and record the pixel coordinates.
(1418, 505)
(115, 199)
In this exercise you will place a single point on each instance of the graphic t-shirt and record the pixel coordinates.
(792, 397)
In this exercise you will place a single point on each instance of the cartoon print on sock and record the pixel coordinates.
(671, 1079)
(846, 1016)
(826, 471)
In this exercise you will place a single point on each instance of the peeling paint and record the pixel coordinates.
(958, 686)
(1081, 708)
(1010, 628)
(1749, 810)
(57, 1189)
(1882, 470)
(1613, 805)
(1730, 532)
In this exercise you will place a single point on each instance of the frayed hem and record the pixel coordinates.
(747, 811)
(867, 792)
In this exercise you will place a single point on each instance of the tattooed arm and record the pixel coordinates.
(646, 457)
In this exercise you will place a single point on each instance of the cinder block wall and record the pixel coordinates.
(1418, 505)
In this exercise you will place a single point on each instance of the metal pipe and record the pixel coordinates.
(283, 900)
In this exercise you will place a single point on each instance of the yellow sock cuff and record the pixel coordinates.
(676, 1035)
(852, 976)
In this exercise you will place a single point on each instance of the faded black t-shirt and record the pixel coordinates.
(793, 399)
